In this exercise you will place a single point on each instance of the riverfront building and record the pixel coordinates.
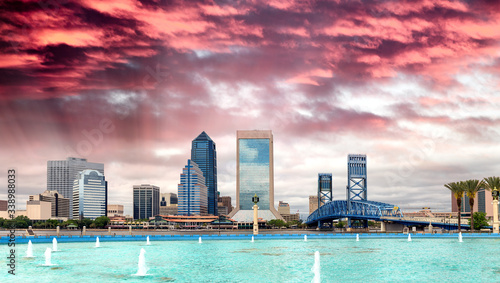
(284, 211)
(61, 175)
(168, 204)
(283, 208)
(203, 153)
(115, 210)
(192, 191)
(90, 195)
(59, 204)
(146, 201)
(224, 205)
(39, 210)
(291, 217)
(3, 205)
(254, 175)
(313, 203)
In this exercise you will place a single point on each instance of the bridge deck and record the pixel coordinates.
(378, 211)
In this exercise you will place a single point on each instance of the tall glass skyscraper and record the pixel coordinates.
(254, 175)
(90, 195)
(192, 192)
(146, 201)
(62, 173)
(204, 154)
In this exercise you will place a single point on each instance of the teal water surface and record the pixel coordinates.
(341, 260)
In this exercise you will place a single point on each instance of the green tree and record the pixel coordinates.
(479, 220)
(22, 221)
(101, 222)
(294, 222)
(84, 222)
(51, 223)
(471, 188)
(8, 223)
(458, 191)
(340, 224)
(276, 223)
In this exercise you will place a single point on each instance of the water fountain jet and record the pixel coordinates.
(460, 237)
(97, 243)
(147, 241)
(199, 240)
(54, 245)
(316, 269)
(305, 238)
(252, 239)
(409, 237)
(29, 250)
(142, 268)
(357, 237)
(48, 256)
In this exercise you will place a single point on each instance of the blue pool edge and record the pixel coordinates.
(129, 238)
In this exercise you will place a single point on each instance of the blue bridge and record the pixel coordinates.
(376, 211)
(357, 209)
(360, 209)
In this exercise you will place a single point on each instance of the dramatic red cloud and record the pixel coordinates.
(415, 38)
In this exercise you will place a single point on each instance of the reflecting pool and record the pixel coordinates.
(341, 260)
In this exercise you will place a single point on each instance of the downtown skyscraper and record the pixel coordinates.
(254, 175)
(90, 195)
(62, 173)
(192, 192)
(146, 201)
(203, 153)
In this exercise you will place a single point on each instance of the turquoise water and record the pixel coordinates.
(342, 260)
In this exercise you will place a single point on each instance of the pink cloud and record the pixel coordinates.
(216, 10)
(82, 37)
(411, 57)
(113, 6)
(476, 29)
(18, 60)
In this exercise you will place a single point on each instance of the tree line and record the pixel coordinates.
(23, 222)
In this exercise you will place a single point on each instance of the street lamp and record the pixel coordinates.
(494, 194)
(255, 200)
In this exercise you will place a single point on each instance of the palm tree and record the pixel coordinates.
(458, 191)
(471, 188)
(492, 183)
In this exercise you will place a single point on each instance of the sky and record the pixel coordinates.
(414, 85)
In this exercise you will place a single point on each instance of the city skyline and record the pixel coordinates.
(413, 85)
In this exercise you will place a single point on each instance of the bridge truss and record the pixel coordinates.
(359, 209)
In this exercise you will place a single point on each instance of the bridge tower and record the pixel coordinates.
(325, 193)
(356, 183)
